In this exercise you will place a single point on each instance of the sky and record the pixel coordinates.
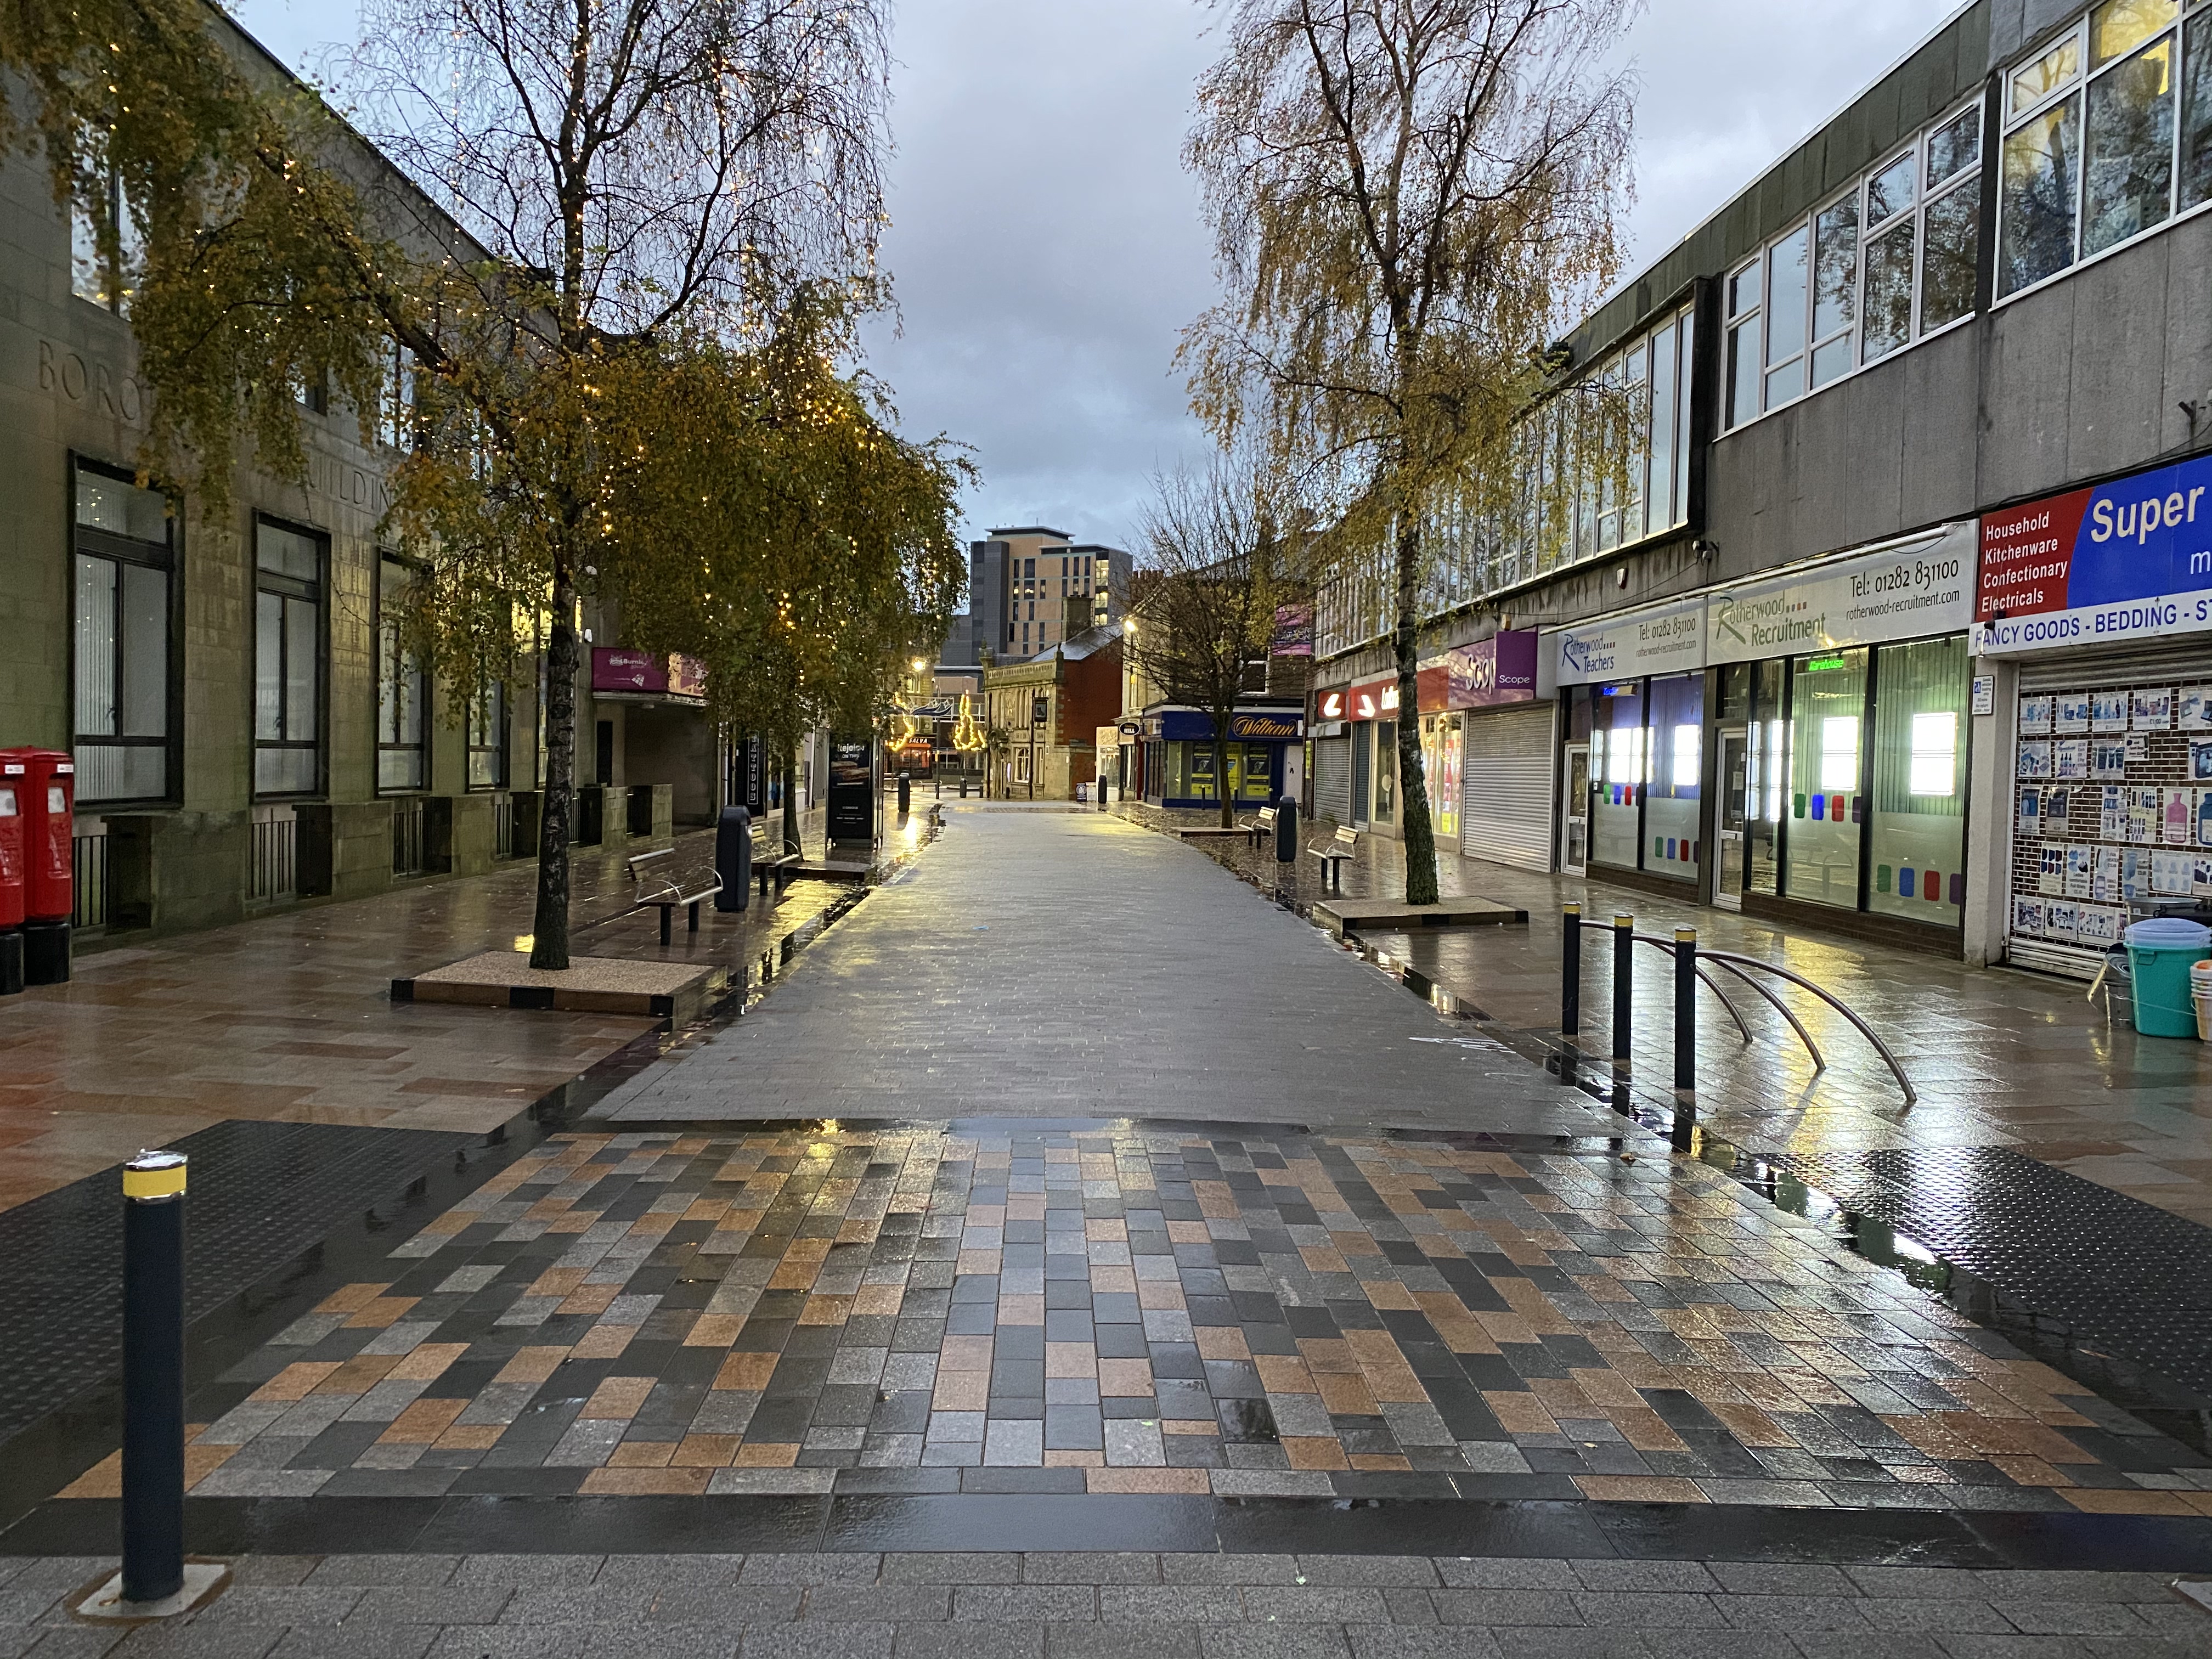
(1046, 245)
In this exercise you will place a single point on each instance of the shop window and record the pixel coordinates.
(487, 736)
(2109, 133)
(1617, 774)
(1440, 771)
(402, 689)
(1386, 771)
(288, 659)
(1363, 768)
(1766, 772)
(1675, 740)
(1918, 846)
(1827, 704)
(124, 624)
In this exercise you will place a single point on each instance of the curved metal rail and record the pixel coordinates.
(1667, 946)
(1911, 1095)
(1820, 1063)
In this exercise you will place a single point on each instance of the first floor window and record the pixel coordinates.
(125, 566)
(288, 659)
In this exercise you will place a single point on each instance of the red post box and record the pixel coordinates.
(14, 776)
(49, 808)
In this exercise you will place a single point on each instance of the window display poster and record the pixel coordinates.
(2035, 713)
(2108, 759)
(2080, 865)
(2179, 817)
(2105, 883)
(2072, 711)
(2050, 878)
(2143, 810)
(2193, 707)
(2035, 760)
(2138, 748)
(2059, 922)
(2108, 711)
(2097, 927)
(2151, 708)
(2200, 759)
(2027, 916)
(2112, 814)
(2058, 812)
(2135, 874)
(2170, 873)
(2031, 813)
(2202, 880)
(2070, 759)
(2204, 817)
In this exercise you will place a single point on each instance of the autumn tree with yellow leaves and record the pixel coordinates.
(1408, 198)
(599, 265)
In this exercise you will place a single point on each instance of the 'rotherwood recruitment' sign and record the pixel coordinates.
(2128, 560)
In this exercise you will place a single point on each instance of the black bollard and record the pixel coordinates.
(1286, 831)
(733, 858)
(1570, 971)
(905, 794)
(1686, 1010)
(153, 1376)
(1624, 984)
(11, 963)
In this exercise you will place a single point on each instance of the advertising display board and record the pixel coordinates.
(851, 801)
(1908, 591)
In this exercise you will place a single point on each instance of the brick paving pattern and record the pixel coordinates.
(1114, 1606)
(1150, 1309)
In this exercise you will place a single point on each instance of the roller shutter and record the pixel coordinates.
(1507, 761)
(1333, 778)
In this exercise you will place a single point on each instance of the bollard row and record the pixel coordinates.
(1685, 954)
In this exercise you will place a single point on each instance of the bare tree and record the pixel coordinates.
(1220, 557)
(1407, 197)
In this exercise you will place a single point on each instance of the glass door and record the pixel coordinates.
(1736, 779)
(1574, 812)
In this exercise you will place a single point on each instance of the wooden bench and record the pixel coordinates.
(688, 888)
(769, 861)
(1344, 846)
(1261, 829)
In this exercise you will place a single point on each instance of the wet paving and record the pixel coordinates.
(1130, 1308)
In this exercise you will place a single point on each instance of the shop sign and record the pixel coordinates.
(619, 670)
(1266, 728)
(1666, 639)
(1501, 669)
(1258, 725)
(2128, 560)
(1375, 699)
(1330, 705)
(1904, 591)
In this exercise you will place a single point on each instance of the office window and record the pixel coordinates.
(486, 736)
(402, 689)
(1827, 697)
(2109, 134)
(1890, 262)
(1921, 694)
(125, 712)
(104, 251)
(396, 407)
(288, 660)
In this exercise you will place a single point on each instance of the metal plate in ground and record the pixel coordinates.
(260, 1194)
(2119, 1272)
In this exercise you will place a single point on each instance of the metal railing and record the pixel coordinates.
(1688, 975)
(274, 867)
(408, 839)
(88, 867)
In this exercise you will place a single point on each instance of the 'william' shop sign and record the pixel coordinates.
(2128, 560)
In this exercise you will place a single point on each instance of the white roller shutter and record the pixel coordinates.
(1506, 768)
(1333, 778)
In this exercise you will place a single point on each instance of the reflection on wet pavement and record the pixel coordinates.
(1126, 1307)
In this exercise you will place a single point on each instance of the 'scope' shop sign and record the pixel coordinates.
(2127, 560)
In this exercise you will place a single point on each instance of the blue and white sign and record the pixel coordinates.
(1664, 639)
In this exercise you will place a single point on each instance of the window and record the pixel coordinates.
(1616, 773)
(402, 689)
(1890, 262)
(104, 250)
(288, 660)
(395, 406)
(1674, 738)
(124, 697)
(2108, 136)
(1917, 848)
(1827, 704)
(487, 723)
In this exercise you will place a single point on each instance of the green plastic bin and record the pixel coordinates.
(2159, 953)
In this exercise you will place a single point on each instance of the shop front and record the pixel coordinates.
(1179, 763)
(1796, 746)
(2094, 612)
(1370, 725)
(1488, 750)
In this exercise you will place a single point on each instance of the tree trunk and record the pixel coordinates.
(1413, 785)
(550, 931)
(1221, 767)
(791, 801)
